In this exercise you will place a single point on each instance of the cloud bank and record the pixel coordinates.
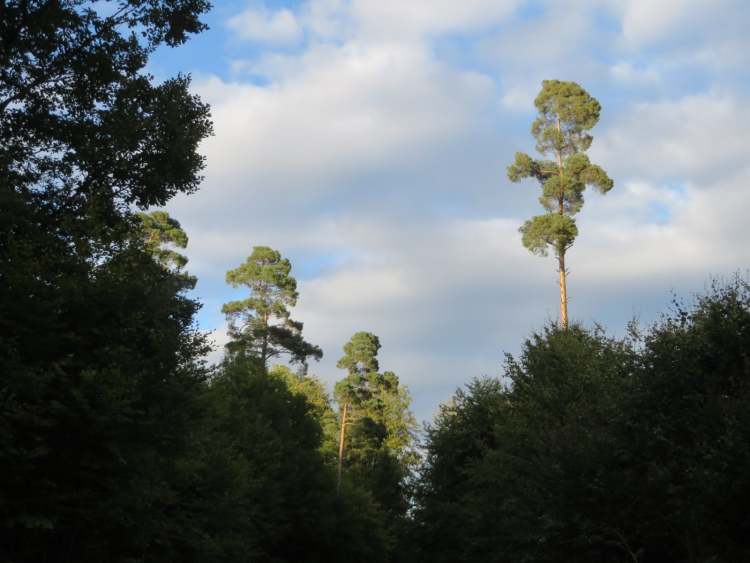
(367, 140)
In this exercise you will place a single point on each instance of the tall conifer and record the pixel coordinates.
(566, 113)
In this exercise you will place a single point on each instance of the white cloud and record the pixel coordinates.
(696, 26)
(520, 97)
(703, 236)
(338, 115)
(278, 27)
(644, 20)
(417, 17)
(370, 19)
(624, 71)
(371, 152)
(690, 138)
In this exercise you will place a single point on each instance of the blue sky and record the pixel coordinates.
(367, 140)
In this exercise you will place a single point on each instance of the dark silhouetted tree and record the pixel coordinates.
(100, 370)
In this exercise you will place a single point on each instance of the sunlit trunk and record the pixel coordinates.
(342, 438)
(561, 253)
(563, 291)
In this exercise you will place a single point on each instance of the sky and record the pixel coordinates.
(367, 141)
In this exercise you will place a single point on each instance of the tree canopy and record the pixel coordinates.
(260, 325)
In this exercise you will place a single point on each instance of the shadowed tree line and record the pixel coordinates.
(118, 443)
(595, 449)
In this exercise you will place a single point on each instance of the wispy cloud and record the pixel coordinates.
(277, 27)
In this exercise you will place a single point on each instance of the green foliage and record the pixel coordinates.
(314, 392)
(256, 486)
(360, 354)
(264, 438)
(599, 449)
(116, 444)
(260, 326)
(549, 230)
(566, 113)
(160, 233)
(379, 453)
(99, 400)
(100, 370)
(375, 398)
(85, 133)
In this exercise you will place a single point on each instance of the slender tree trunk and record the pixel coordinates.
(264, 346)
(561, 252)
(563, 279)
(563, 291)
(342, 438)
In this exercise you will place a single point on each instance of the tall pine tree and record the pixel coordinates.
(566, 113)
(260, 326)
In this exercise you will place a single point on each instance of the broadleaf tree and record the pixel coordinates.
(566, 113)
(100, 364)
(260, 326)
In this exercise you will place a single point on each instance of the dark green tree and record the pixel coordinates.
(86, 133)
(529, 471)
(377, 429)
(597, 449)
(161, 234)
(374, 395)
(259, 486)
(316, 395)
(360, 358)
(100, 369)
(690, 416)
(566, 113)
(260, 326)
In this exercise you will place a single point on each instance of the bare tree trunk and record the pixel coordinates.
(264, 346)
(561, 253)
(563, 291)
(342, 438)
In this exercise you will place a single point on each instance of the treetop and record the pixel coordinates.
(360, 354)
(566, 111)
(266, 266)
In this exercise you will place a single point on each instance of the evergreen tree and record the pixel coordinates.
(260, 325)
(376, 396)
(160, 231)
(161, 234)
(376, 428)
(566, 113)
